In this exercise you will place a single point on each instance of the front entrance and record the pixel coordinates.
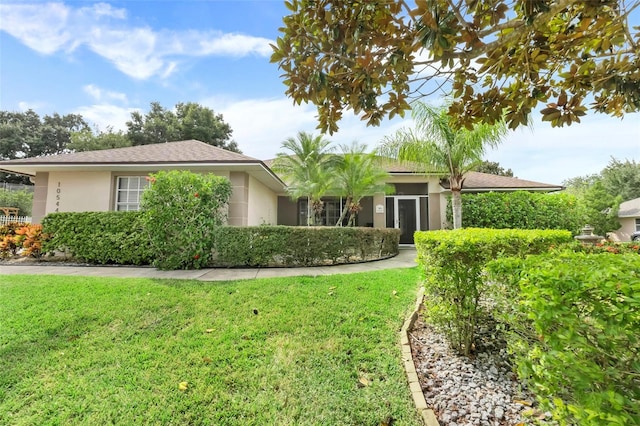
(407, 213)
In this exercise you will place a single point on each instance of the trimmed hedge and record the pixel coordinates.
(98, 237)
(574, 321)
(454, 263)
(301, 246)
(521, 210)
(119, 238)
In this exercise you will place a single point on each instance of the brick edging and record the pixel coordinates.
(427, 414)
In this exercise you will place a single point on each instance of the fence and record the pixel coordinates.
(16, 187)
(4, 220)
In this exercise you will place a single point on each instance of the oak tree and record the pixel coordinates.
(496, 58)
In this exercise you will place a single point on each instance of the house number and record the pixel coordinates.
(58, 192)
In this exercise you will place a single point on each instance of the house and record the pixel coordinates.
(114, 179)
(629, 216)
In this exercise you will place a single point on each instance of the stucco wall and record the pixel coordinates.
(239, 201)
(263, 204)
(624, 233)
(41, 187)
(78, 192)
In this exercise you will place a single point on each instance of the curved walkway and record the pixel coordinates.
(406, 259)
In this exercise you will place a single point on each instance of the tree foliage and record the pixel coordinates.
(26, 134)
(306, 168)
(493, 168)
(189, 121)
(499, 58)
(86, 140)
(440, 148)
(357, 174)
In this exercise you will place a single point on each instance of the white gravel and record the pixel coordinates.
(480, 390)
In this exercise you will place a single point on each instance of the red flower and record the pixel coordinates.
(196, 195)
(196, 257)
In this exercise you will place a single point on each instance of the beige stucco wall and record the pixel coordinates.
(78, 192)
(624, 233)
(262, 204)
(239, 201)
(41, 187)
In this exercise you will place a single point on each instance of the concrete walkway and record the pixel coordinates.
(406, 259)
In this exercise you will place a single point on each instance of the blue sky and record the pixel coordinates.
(106, 59)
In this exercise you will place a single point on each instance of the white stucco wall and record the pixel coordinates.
(78, 192)
(624, 233)
(263, 204)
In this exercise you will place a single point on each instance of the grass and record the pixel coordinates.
(302, 350)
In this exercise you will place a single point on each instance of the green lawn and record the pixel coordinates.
(286, 351)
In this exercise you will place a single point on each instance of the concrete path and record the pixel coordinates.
(406, 259)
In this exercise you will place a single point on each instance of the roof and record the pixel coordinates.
(171, 152)
(477, 181)
(630, 208)
(190, 154)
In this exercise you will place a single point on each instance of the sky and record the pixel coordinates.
(104, 60)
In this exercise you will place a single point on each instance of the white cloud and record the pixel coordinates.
(106, 115)
(261, 125)
(25, 106)
(140, 52)
(99, 94)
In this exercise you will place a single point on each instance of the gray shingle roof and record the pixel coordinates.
(190, 151)
(630, 208)
(477, 181)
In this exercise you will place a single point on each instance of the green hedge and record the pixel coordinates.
(454, 261)
(119, 238)
(301, 246)
(574, 320)
(98, 237)
(521, 210)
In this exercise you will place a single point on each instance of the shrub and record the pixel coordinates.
(574, 321)
(98, 237)
(181, 210)
(521, 210)
(23, 200)
(301, 246)
(22, 238)
(454, 261)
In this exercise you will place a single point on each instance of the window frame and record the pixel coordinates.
(141, 184)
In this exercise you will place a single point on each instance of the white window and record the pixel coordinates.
(128, 192)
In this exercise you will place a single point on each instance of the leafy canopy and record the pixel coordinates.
(499, 58)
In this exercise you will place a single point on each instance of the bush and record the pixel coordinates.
(574, 321)
(301, 246)
(99, 237)
(454, 262)
(22, 238)
(23, 200)
(181, 211)
(521, 210)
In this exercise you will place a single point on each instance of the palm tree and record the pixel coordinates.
(357, 174)
(306, 169)
(441, 148)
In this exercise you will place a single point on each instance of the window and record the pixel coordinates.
(638, 225)
(331, 211)
(129, 189)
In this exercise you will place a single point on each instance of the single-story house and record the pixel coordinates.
(629, 217)
(113, 179)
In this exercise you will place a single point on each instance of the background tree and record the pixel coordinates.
(357, 174)
(86, 140)
(600, 194)
(493, 168)
(190, 121)
(25, 134)
(502, 58)
(305, 167)
(442, 149)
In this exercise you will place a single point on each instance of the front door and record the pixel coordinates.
(407, 215)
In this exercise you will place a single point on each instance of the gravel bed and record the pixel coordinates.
(479, 390)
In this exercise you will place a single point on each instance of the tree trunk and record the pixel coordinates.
(457, 208)
(309, 212)
(345, 210)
